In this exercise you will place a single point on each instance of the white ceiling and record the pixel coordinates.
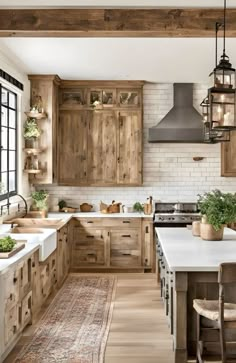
(150, 59)
(115, 3)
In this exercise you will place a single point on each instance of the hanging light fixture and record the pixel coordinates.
(221, 96)
(212, 136)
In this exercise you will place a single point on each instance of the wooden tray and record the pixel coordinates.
(19, 246)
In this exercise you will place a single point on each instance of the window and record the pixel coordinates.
(8, 142)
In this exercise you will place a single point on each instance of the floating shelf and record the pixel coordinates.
(34, 151)
(32, 171)
(36, 115)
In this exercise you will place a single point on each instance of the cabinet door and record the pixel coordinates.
(147, 242)
(72, 147)
(102, 149)
(88, 247)
(125, 248)
(228, 156)
(130, 148)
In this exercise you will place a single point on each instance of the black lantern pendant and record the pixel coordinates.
(222, 95)
(212, 136)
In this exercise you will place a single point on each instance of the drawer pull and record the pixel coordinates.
(33, 264)
(90, 222)
(11, 296)
(126, 222)
(14, 280)
(126, 235)
(147, 229)
(14, 329)
(126, 254)
(89, 236)
(91, 254)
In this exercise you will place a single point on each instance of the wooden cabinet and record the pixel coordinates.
(15, 303)
(63, 255)
(102, 147)
(228, 156)
(100, 134)
(125, 247)
(89, 247)
(112, 243)
(149, 248)
(130, 148)
(72, 154)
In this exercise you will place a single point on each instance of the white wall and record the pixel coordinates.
(23, 105)
(170, 174)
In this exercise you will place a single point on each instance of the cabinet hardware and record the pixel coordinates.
(101, 236)
(126, 222)
(14, 329)
(89, 236)
(108, 233)
(14, 280)
(11, 296)
(33, 264)
(126, 235)
(126, 254)
(91, 254)
(146, 229)
(90, 222)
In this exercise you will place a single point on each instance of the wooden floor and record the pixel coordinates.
(139, 332)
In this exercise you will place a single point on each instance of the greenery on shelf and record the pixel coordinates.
(7, 244)
(31, 129)
(218, 208)
(40, 199)
(61, 204)
(138, 207)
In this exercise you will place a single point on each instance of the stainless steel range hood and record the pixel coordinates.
(182, 123)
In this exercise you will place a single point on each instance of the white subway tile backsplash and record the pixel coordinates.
(170, 173)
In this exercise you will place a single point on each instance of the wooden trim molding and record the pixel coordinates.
(188, 22)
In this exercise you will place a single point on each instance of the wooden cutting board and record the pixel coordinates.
(19, 246)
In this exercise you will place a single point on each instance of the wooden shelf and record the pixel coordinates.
(34, 151)
(32, 171)
(36, 115)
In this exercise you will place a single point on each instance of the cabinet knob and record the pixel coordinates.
(14, 280)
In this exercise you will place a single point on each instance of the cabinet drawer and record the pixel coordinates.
(125, 240)
(125, 258)
(11, 324)
(85, 237)
(88, 222)
(122, 222)
(88, 256)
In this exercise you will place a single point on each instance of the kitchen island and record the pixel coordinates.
(188, 269)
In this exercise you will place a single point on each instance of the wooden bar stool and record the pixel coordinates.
(216, 314)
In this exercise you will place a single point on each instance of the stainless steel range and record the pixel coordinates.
(175, 214)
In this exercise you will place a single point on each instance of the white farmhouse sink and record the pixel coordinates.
(47, 239)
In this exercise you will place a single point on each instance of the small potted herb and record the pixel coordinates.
(217, 209)
(39, 200)
(138, 207)
(31, 132)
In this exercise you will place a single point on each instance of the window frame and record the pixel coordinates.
(8, 108)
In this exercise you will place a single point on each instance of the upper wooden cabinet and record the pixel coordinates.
(100, 145)
(228, 156)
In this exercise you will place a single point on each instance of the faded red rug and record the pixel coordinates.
(75, 327)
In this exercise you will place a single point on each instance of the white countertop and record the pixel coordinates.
(184, 252)
(98, 215)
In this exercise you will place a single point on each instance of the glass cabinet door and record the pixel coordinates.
(75, 97)
(129, 98)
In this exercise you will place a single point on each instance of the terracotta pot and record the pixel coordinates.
(208, 233)
(85, 207)
(196, 228)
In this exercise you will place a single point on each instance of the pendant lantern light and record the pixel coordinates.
(221, 96)
(212, 136)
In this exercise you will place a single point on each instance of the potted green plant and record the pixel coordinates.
(39, 199)
(217, 209)
(138, 207)
(31, 132)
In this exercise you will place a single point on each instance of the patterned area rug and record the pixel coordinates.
(75, 327)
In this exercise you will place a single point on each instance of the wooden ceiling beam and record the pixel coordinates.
(114, 22)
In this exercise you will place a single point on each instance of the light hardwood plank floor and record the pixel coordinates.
(139, 331)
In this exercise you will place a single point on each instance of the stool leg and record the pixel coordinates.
(199, 343)
(222, 345)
